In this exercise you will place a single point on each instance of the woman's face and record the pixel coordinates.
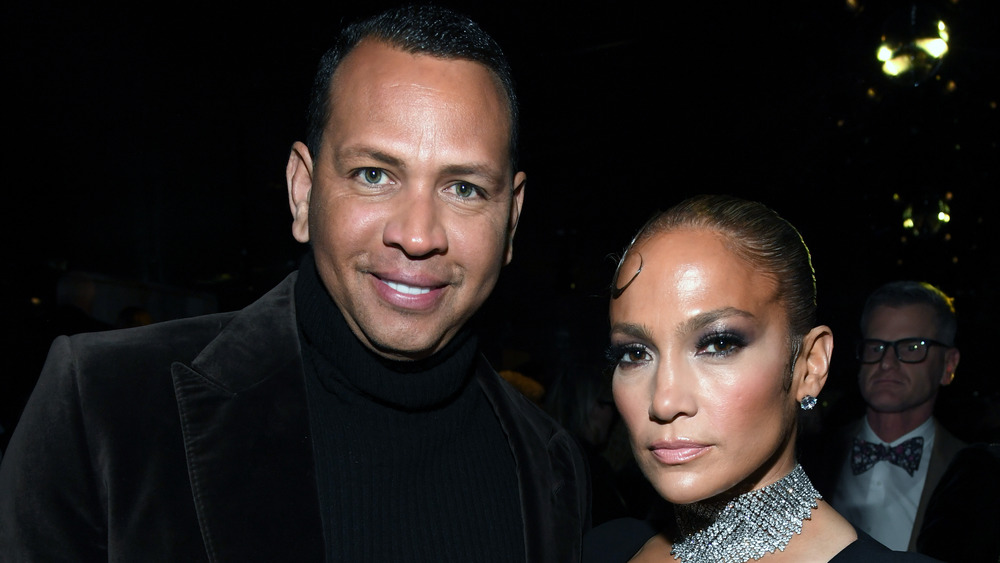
(701, 344)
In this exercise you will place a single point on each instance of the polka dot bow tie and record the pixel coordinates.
(906, 455)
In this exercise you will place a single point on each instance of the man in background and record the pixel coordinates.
(893, 458)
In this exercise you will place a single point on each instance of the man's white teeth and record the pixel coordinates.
(408, 289)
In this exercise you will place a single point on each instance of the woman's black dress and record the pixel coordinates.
(617, 541)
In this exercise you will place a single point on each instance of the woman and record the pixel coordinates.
(715, 348)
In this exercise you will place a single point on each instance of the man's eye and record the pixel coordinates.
(373, 175)
(466, 190)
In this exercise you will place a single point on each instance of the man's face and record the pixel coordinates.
(890, 386)
(411, 203)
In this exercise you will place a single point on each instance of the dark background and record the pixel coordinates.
(146, 145)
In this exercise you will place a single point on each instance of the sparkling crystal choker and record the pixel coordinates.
(747, 527)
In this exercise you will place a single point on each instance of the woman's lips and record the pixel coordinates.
(676, 453)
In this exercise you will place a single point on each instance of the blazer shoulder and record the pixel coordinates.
(130, 352)
(177, 340)
(945, 443)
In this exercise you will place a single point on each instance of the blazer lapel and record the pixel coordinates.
(946, 447)
(550, 506)
(245, 422)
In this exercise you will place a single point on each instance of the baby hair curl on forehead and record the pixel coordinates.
(755, 234)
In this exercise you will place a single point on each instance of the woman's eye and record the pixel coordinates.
(720, 344)
(633, 356)
(373, 175)
(625, 356)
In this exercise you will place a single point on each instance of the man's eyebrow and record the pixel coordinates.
(708, 317)
(368, 152)
(637, 331)
(478, 169)
(475, 169)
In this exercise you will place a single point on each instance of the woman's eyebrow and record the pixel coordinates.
(634, 330)
(708, 317)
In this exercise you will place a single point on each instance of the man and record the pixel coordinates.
(346, 415)
(895, 456)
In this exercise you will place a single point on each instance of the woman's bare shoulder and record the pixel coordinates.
(657, 549)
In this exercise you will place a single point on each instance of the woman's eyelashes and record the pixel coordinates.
(714, 344)
(720, 344)
(624, 356)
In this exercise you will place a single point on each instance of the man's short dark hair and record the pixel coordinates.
(904, 293)
(426, 30)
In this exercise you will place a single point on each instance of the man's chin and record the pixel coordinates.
(401, 349)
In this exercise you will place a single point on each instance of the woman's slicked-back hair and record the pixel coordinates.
(756, 234)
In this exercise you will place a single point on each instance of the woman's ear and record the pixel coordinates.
(813, 364)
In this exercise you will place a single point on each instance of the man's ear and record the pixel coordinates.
(517, 200)
(299, 176)
(951, 357)
(813, 364)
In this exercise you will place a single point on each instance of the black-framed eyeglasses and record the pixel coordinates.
(908, 350)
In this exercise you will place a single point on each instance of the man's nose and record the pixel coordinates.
(415, 223)
(889, 358)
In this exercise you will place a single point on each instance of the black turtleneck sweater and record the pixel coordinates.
(411, 461)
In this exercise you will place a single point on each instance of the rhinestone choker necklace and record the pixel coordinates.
(747, 527)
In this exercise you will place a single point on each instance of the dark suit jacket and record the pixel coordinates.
(962, 523)
(190, 441)
(825, 468)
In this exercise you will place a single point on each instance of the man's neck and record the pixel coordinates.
(890, 426)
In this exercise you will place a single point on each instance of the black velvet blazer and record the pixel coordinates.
(189, 441)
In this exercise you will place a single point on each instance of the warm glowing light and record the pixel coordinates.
(926, 216)
(934, 46)
(950, 86)
(942, 30)
(897, 65)
(913, 44)
(870, 92)
(895, 197)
